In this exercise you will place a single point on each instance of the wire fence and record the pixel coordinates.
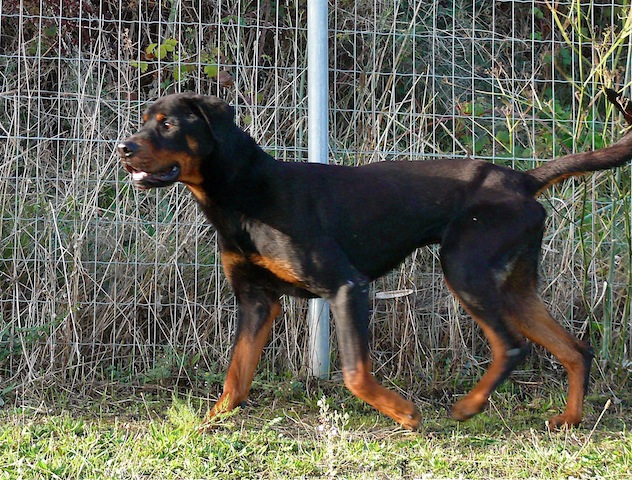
(100, 282)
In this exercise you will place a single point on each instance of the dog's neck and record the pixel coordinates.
(230, 197)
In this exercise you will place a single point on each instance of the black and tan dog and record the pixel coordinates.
(314, 230)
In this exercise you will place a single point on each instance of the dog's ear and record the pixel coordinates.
(218, 115)
(228, 140)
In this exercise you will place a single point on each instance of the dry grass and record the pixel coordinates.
(99, 282)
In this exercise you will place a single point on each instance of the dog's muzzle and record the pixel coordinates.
(127, 149)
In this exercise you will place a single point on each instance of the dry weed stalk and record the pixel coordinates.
(99, 282)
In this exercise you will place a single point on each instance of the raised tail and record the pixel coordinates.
(578, 163)
(557, 170)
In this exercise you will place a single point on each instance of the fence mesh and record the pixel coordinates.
(101, 282)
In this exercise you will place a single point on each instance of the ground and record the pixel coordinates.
(290, 431)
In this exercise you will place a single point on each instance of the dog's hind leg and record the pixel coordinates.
(478, 253)
(528, 313)
(532, 318)
(508, 350)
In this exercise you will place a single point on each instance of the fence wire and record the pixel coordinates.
(100, 282)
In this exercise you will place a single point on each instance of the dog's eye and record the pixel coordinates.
(167, 124)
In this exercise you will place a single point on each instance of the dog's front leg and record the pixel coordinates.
(256, 311)
(350, 306)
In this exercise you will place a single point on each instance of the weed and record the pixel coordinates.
(331, 430)
(102, 284)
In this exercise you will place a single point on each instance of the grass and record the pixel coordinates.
(306, 436)
(99, 282)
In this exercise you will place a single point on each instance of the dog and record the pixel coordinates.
(313, 230)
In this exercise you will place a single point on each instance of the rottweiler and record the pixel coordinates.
(313, 230)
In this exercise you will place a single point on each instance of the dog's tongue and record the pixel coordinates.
(138, 176)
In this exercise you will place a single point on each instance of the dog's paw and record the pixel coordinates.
(467, 408)
(411, 421)
(215, 419)
(563, 421)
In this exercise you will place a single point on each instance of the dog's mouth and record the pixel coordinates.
(160, 178)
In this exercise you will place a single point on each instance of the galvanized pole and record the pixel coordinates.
(318, 151)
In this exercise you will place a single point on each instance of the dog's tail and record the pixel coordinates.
(615, 155)
(557, 170)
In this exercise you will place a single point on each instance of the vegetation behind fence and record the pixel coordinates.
(100, 282)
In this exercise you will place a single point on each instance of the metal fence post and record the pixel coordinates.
(318, 151)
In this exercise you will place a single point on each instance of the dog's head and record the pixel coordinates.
(178, 132)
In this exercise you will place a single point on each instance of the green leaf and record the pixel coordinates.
(503, 138)
(142, 66)
(211, 71)
(169, 44)
(479, 110)
(481, 144)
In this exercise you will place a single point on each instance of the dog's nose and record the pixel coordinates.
(127, 149)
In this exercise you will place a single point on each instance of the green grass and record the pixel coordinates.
(143, 437)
